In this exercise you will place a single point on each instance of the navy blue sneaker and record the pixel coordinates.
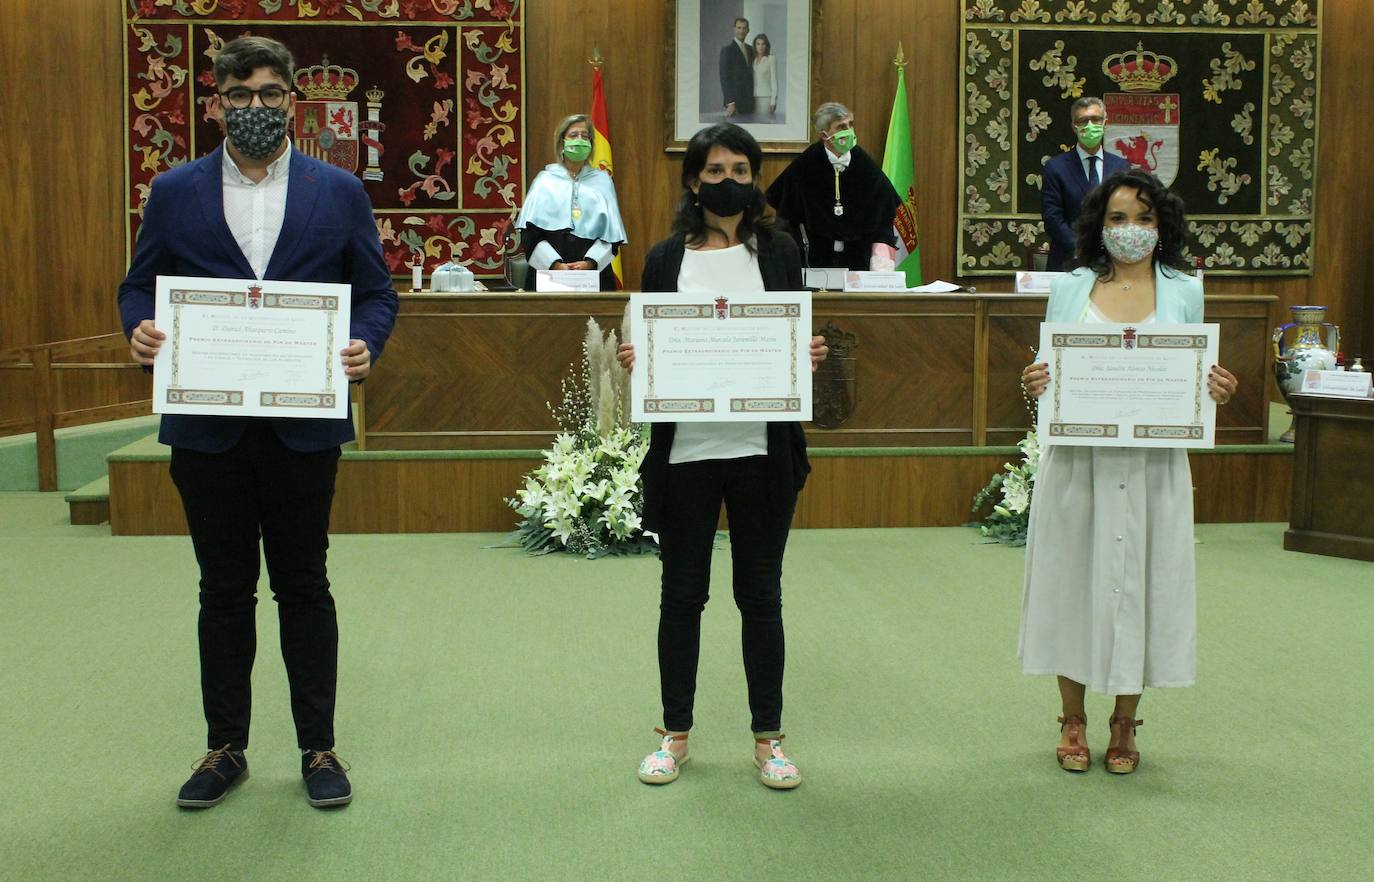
(212, 777)
(326, 785)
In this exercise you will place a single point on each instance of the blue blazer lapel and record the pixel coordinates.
(1080, 180)
(210, 197)
(302, 192)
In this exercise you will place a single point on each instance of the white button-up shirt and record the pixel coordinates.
(255, 211)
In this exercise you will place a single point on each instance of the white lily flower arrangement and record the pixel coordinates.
(1010, 517)
(587, 497)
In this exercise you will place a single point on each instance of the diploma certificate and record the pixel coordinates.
(1127, 385)
(721, 358)
(243, 347)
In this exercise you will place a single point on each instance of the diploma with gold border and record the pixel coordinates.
(722, 357)
(1128, 385)
(247, 347)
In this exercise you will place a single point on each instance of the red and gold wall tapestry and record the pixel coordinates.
(422, 99)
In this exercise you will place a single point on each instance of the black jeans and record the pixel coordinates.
(758, 536)
(261, 487)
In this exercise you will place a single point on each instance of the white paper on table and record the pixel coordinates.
(1127, 385)
(936, 287)
(567, 280)
(725, 357)
(867, 280)
(245, 347)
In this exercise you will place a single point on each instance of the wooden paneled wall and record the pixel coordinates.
(62, 169)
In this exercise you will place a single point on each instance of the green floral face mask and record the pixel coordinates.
(844, 140)
(576, 149)
(1090, 134)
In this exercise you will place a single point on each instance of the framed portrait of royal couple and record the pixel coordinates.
(755, 63)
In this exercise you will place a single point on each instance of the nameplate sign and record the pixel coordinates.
(567, 280)
(1336, 384)
(1035, 283)
(824, 278)
(859, 280)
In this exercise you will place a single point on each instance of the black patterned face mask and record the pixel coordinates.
(256, 132)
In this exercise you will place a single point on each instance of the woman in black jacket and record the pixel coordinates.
(721, 241)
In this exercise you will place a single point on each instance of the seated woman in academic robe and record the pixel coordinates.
(571, 219)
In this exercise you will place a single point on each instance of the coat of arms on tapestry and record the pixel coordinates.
(1216, 97)
(421, 99)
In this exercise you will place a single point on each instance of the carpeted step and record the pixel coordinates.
(81, 452)
(90, 504)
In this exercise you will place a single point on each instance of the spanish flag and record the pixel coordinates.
(601, 152)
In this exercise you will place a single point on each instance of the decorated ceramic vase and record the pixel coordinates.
(1304, 349)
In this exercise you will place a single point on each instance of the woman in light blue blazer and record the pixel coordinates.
(1109, 599)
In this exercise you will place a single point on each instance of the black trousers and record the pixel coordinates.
(262, 488)
(758, 537)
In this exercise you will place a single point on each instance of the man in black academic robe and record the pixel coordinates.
(840, 196)
(737, 73)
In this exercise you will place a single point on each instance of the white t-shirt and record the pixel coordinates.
(707, 272)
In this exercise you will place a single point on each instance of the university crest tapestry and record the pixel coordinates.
(1216, 97)
(421, 99)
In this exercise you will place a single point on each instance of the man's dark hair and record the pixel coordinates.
(1169, 214)
(689, 219)
(738, 20)
(240, 57)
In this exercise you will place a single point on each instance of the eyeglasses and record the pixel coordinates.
(241, 96)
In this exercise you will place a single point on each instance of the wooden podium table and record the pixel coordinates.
(474, 371)
(1332, 510)
(455, 414)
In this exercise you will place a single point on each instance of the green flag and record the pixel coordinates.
(898, 166)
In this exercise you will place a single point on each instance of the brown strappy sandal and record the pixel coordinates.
(1123, 762)
(1075, 757)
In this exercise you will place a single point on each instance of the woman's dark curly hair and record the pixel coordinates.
(689, 219)
(1168, 209)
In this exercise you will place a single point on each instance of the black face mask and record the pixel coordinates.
(256, 132)
(726, 198)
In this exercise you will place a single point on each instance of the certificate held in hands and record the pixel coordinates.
(246, 347)
(721, 358)
(1125, 385)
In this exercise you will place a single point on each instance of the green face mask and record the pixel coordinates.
(576, 150)
(1090, 134)
(844, 140)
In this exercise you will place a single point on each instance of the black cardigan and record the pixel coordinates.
(780, 265)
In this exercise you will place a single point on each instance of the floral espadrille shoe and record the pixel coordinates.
(662, 766)
(777, 771)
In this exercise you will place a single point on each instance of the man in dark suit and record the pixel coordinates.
(1071, 175)
(256, 208)
(737, 73)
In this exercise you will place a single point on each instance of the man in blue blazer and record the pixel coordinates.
(1071, 175)
(257, 208)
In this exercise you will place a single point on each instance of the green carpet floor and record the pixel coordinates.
(494, 707)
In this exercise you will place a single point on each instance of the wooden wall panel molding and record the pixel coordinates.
(438, 495)
(476, 371)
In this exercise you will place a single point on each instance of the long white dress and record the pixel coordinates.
(1110, 596)
(765, 83)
